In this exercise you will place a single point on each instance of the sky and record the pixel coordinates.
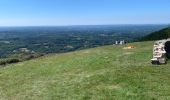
(83, 12)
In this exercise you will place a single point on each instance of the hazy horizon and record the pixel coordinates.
(86, 25)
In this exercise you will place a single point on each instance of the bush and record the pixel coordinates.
(2, 62)
(19, 58)
(9, 61)
(13, 60)
(29, 56)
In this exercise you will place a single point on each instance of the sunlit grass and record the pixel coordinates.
(103, 73)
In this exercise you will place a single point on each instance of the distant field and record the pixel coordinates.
(63, 39)
(103, 73)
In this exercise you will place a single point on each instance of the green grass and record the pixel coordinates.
(103, 73)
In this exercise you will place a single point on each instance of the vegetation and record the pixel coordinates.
(102, 73)
(19, 57)
(9, 61)
(159, 35)
(69, 38)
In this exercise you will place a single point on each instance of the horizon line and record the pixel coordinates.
(81, 25)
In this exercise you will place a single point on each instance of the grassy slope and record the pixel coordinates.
(103, 73)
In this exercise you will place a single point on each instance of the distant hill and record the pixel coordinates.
(162, 34)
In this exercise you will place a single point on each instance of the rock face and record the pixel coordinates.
(161, 51)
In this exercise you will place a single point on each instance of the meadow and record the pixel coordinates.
(102, 73)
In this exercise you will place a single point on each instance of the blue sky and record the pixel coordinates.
(83, 12)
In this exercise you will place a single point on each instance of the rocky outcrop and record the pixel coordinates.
(161, 51)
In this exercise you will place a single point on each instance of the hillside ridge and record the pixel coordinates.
(159, 35)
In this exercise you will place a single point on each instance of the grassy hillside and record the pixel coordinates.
(162, 34)
(103, 73)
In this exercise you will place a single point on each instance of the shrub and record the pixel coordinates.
(19, 57)
(13, 60)
(9, 61)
